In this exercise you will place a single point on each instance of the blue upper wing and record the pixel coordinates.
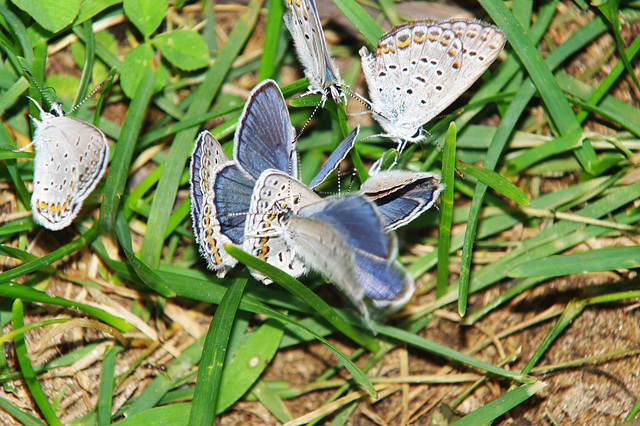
(265, 137)
(232, 199)
(356, 219)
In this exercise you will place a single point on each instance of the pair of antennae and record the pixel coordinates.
(325, 96)
(33, 80)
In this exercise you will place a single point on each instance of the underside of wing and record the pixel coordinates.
(305, 28)
(401, 196)
(206, 158)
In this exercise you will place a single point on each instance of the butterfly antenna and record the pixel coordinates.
(307, 122)
(353, 179)
(98, 87)
(428, 133)
(358, 97)
(33, 80)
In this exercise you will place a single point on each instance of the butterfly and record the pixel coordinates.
(402, 195)
(71, 156)
(342, 237)
(305, 28)
(421, 67)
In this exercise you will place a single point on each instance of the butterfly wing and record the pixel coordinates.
(387, 284)
(264, 137)
(349, 234)
(207, 157)
(422, 67)
(232, 189)
(308, 37)
(71, 157)
(401, 195)
(275, 195)
(335, 158)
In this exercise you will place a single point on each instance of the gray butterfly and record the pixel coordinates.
(421, 67)
(402, 195)
(342, 237)
(71, 157)
(305, 28)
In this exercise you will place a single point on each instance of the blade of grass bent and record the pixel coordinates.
(146, 274)
(296, 287)
(19, 291)
(50, 258)
(182, 145)
(422, 343)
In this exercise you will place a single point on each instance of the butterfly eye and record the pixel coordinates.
(56, 109)
(417, 134)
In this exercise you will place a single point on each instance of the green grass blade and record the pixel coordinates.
(272, 402)
(614, 18)
(146, 274)
(170, 415)
(560, 111)
(121, 160)
(537, 154)
(29, 375)
(607, 259)
(205, 397)
(369, 28)
(249, 363)
(389, 9)
(605, 85)
(300, 290)
(22, 417)
(427, 345)
(18, 291)
(163, 383)
(6, 142)
(182, 145)
(501, 405)
(273, 33)
(573, 309)
(89, 58)
(16, 28)
(50, 258)
(103, 95)
(446, 211)
(504, 130)
(495, 181)
(106, 385)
